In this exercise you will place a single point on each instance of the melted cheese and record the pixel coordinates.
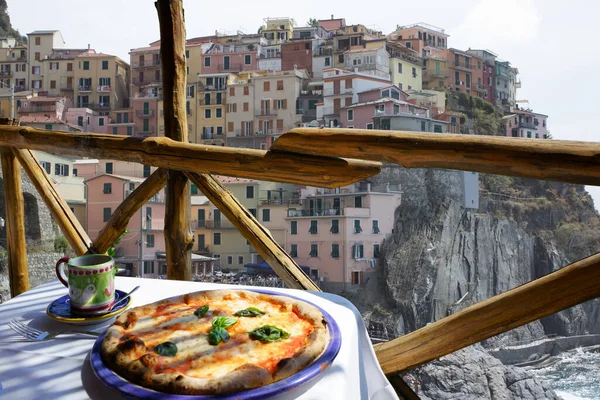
(197, 358)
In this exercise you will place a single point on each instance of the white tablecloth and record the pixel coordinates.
(60, 368)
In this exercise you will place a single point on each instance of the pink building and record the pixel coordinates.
(44, 106)
(230, 57)
(338, 233)
(87, 119)
(145, 116)
(137, 250)
(526, 124)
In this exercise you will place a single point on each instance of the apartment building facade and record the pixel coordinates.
(211, 112)
(40, 45)
(524, 123)
(230, 57)
(277, 29)
(466, 72)
(405, 67)
(13, 66)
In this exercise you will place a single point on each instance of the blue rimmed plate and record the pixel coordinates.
(60, 310)
(130, 390)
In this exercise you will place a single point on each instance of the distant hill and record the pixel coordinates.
(6, 29)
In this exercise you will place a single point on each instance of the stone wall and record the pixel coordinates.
(41, 269)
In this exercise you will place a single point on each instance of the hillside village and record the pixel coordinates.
(244, 90)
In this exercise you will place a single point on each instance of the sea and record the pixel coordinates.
(575, 375)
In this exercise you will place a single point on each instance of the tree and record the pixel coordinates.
(313, 22)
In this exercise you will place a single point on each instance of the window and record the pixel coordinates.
(229, 260)
(468, 80)
(294, 228)
(150, 240)
(358, 202)
(216, 238)
(375, 226)
(314, 250)
(341, 58)
(246, 106)
(266, 215)
(100, 121)
(335, 250)
(129, 131)
(48, 127)
(37, 56)
(231, 108)
(357, 277)
(423, 126)
(240, 260)
(107, 188)
(279, 85)
(61, 170)
(266, 86)
(358, 251)
(69, 67)
(80, 121)
(35, 70)
(52, 84)
(294, 250)
(86, 65)
(131, 186)
(207, 113)
(37, 40)
(249, 192)
(350, 115)
(335, 226)
(187, 54)
(376, 251)
(219, 99)
(437, 128)
(478, 64)
(106, 214)
(232, 91)
(148, 267)
(247, 59)
(370, 125)
(219, 130)
(47, 166)
(252, 211)
(327, 61)
(109, 168)
(207, 61)
(357, 228)
(313, 227)
(246, 90)
(146, 171)
(54, 66)
(219, 113)
(104, 64)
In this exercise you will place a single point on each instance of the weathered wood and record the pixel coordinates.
(401, 388)
(259, 237)
(60, 210)
(162, 152)
(117, 224)
(556, 160)
(178, 234)
(18, 270)
(554, 292)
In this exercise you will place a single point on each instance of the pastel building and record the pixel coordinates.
(405, 67)
(44, 106)
(40, 45)
(211, 110)
(339, 233)
(269, 57)
(489, 69)
(121, 122)
(525, 123)
(13, 66)
(277, 29)
(507, 84)
(230, 57)
(371, 61)
(340, 89)
(466, 72)
(87, 119)
(322, 57)
(58, 70)
(421, 37)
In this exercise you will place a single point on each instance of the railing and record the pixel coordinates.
(335, 92)
(265, 113)
(150, 81)
(210, 88)
(478, 87)
(99, 105)
(145, 64)
(6, 73)
(528, 125)
(144, 113)
(157, 198)
(37, 108)
(385, 113)
(103, 88)
(243, 132)
(222, 224)
(209, 135)
(20, 88)
(230, 67)
(154, 225)
(361, 212)
(279, 202)
(331, 111)
(211, 102)
(323, 51)
(311, 93)
(65, 86)
(464, 66)
(20, 58)
(142, 132)
(268, 56)
(198, 224)
(85, 88)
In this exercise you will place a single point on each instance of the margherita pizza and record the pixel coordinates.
(215, 342)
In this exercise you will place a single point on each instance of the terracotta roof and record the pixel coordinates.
(122, 177)
(142, 49)
(42, 119)
(332, 24)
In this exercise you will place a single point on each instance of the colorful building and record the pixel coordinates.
(489, 70)
(13, 66)
(373, 60)
(421, 37)
(277, 30)
(466, 72)
(405, 67)
(230, 57)
(211, 110)
(40, 45)
(525, 123)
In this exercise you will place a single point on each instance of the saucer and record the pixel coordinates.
(60, 310)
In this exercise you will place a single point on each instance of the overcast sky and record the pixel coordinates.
(553, 43)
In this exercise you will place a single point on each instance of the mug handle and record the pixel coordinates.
(60, 273)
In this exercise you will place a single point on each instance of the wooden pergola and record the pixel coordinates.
(316, 157)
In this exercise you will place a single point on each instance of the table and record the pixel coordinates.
(60, 368)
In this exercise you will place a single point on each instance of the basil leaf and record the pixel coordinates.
(268, 333)
(249, 312)
(223, 322)
(218, 335)
(201, 311)
(168, 349)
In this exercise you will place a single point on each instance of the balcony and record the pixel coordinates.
(278, 202)
(437, 74)
(337, 92)
(385, 113)
(211, 88)
(142, 132)
(66, 86)
(478, 87)
(154, 224)
(330, 212)
(211, 102)
(103, 88)
(468, 67)
(157, 198)
(432, 43)
(99, 106)
(265, 113)
(271, 55)
(20, 88)
(146, 64)
(518, 84)
(6, 73)
(19, 58)
(211, 135)
(85, 89)
(323, 51)
(144, 82)
(527, 125)
(144, 113)
(230, 67)
(220, 224)
(198, 224)
(37, 109)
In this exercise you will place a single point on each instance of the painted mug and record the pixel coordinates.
(91, 282)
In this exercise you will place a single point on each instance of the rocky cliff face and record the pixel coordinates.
(443, 257)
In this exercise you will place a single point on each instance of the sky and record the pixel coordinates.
(552, 43)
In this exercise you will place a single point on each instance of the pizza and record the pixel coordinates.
(215, 342)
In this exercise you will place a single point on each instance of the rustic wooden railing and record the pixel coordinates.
(315, 157)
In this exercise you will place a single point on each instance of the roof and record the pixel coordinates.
(332, 24)
(42, 119)
(144, 49)
(44, 32)
(231, 180)
(383, 100)
(87, 161)
(199, 200)
(122, 177)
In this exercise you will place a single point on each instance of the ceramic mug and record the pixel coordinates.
(91, 282)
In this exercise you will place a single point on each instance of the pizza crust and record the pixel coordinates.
(130, 357)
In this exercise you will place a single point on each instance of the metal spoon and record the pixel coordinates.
(124, 298)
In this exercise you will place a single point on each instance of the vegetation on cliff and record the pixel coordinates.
(6, 29)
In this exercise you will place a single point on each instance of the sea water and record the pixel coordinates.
(575, 376)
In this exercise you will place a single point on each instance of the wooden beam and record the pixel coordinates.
(554, 292)
(401, 388)
(556, 160)
(163, 152)
(259, 237)
(18, 269)
(178, 234)
(117, 224)
(60, 210)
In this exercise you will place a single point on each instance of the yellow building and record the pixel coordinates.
(277, 30)
(13, 66)
(58, 70)
(200, 213)
(210, 116)
(7, 101)
(40, 46)
(406, 67)
(101, 81)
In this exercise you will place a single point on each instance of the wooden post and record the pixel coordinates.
(18, 270)
(554, 292)
(259, 237)
(60, 210)
(117, 224)
(178, 234)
